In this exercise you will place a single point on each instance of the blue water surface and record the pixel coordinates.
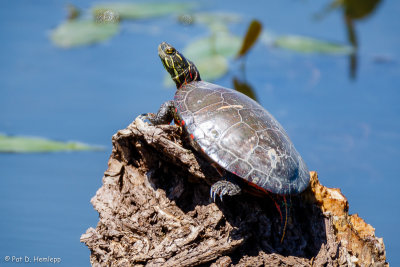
(346, 129)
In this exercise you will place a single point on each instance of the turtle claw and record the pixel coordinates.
(222, 193)
(212, 194)
(222, 188)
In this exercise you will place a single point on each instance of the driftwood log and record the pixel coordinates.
(155, 210)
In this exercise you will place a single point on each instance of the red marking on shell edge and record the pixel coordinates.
(256, 186)
(183, 122)
(192, 136)
(176, 109)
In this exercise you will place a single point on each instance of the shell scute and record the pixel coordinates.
(240, 136)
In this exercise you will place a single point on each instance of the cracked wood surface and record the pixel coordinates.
(154, 210)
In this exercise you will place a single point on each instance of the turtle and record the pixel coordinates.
(232, 131)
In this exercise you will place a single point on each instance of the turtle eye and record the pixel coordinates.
(170, 50)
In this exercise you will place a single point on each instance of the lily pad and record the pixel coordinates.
(143, 10)
(19, 144)
(310, 45)
(210, 54)
(212, 68)
(215, 21)
(224, 44)
(209, 18)
(82, 32)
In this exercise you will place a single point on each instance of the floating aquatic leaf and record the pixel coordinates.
(213, 67)
(186, 19)
(216, 21)
(253, 32)
(106, 16)
(18, 144)
(311, 45)
(224, 44)
(267, 38)
(143, 10)
(244, 88)
(216, 17)
(82, 32)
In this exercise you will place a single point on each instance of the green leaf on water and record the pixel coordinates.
(143, 10)
(212, 67)
(217, 17)
(310, 45)
(19, 144)
(210, 54)
(253, 32)
(216, 21)
(224, 44)
(83, 32)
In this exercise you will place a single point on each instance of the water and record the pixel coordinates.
(346, 129)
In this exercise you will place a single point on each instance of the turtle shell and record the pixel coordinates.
(240, 136)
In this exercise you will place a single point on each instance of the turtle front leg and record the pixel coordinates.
(164, 115)
(225, 187)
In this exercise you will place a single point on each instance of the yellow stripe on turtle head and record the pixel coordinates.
(166, 62)
(176, 73)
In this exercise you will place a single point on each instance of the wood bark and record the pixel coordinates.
(155, 210)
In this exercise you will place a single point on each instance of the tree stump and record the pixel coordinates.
(155, 210)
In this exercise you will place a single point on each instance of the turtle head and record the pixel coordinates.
(181, 70)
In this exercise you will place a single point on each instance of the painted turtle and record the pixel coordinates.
(231, 130)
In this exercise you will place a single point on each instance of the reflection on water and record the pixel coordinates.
(244, 87)
(353, 10)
